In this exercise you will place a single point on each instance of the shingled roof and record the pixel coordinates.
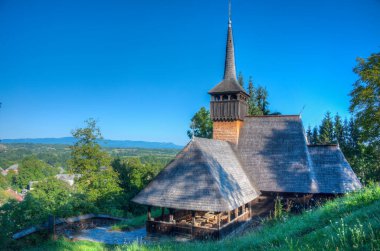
(227, 86)
(205, 176)
(333, 173)
(274, 153)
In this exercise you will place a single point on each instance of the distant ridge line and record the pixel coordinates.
(104, 143)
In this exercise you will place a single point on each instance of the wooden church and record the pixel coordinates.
(215, 185)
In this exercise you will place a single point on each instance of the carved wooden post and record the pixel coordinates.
(171, 218)
(229, 217)
(193, 217)
(236, 212)
(149, 213)
(219, 220)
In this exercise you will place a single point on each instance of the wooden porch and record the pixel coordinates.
(198, 224)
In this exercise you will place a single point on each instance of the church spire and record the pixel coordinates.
(229, 67)
(229, 101)
(229, 14)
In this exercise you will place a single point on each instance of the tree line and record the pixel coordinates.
(359, 136)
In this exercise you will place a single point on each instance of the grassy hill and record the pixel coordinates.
(351, 222)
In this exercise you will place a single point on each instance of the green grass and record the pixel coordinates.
(348, 223)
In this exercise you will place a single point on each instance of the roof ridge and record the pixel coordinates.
(322, 145)
(272, 116)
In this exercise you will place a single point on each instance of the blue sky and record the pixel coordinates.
(143, 68)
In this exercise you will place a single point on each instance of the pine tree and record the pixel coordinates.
(346, 136)
(258, 103)
(314, 136)
(326, 130)
(253, 108)
(262, 102)
(338, 130)
(354, 136)
(309, 134)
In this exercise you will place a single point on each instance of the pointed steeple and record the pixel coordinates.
(229, 83)
(229, 66)
(229, 101)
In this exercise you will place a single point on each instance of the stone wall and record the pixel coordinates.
(227, 130)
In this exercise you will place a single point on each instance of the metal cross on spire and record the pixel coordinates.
(229, 13)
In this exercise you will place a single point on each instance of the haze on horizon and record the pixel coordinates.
(143, 68)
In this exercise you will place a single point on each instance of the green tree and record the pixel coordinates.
(54, 197)
(364, 142)
(98, 181)
(353, 144)
(326, 130)
(201, 124)
(345, 136)
(365, 98)
(32, 169)
(262, 100)
(49, 197)
(86, 154)
(134, 176)
(3, 182)
(339, 131)
(253, 108)
(309, 134)
(314, 136)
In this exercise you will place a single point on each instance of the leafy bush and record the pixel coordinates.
(32, 169)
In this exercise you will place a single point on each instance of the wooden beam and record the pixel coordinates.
(229, 217)
(219, 220)
(236, 212)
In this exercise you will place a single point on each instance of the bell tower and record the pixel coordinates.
(228, 105)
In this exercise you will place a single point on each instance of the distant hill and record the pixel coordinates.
(103, 143)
